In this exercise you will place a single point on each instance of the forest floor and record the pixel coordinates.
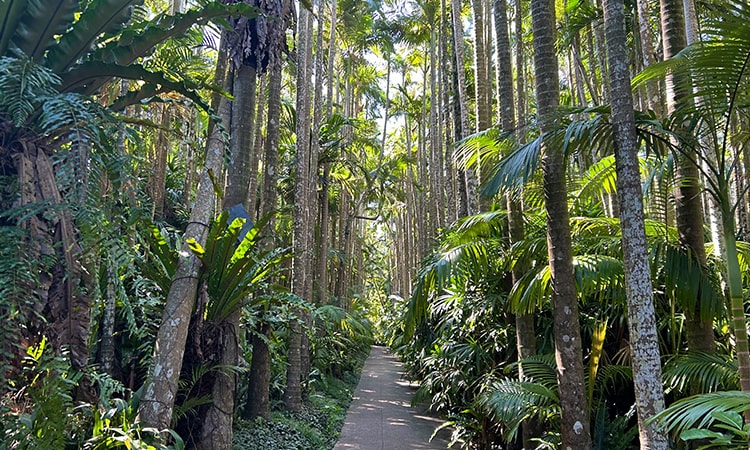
(381, 416)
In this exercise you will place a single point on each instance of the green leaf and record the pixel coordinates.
(42, 21)
(689, 435)
(101, 16)
(195, 247)
(11, 12)
(88, 77)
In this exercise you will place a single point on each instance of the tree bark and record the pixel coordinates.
(467, 180)
(575, 429)
(301, 245)
(160, 391)
(688, 205)
(260, 366)
(644, 340)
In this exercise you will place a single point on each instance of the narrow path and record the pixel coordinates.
(380, 416)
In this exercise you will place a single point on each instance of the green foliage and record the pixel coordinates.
(46, 418)
(701, 371)
(316, 427)
(42, 414)
(17, 301)
(339, 338)
(233, 269)
(25, 86)
(734, 434)
(713, 417)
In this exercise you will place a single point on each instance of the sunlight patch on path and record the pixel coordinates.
(381, 416)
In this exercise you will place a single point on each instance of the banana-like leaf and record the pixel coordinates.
(140, 42)
(102, 16)
(86, 78)
(11, 12)
(41, 22)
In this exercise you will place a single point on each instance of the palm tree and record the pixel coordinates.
(689, 208)
(644, 340)
(254, 44)
(467, 181)
(575, 419)
(301, 269)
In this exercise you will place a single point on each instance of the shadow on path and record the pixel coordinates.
(380, 416)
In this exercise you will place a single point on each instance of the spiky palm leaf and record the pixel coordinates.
(511, 402)
(706, 372)
(698, 411)
(591, 135)
(233, 269)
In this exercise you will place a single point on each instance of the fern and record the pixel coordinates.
(24, 84)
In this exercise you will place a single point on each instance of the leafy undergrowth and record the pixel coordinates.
(316, 427)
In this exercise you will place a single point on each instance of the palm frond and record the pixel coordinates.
(599, 178)
(514, 170)
(600, 277)
(706, 372)
(687, 282)
(465, 258)
(698, 411)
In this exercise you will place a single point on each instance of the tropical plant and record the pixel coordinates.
(718, 70)
(713, 419)
(55, 54)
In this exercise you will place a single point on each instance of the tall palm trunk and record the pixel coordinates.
(567, 330)
(689, 208)
(648, 57)
(525, 333)
(437, 191)
(260, 365)
(644, 340)
(467, 180)
(216, 427)
(301, 243)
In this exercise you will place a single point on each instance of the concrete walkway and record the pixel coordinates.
(380, 416)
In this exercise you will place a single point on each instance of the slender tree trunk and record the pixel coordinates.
(302, 214)
(446, 74)
(648, 54)
(482, 89)
(525, 333)
(158, 399)
(253, 192)
(601, 55)
(567, 330)
(437, 202)
(157, 180)
(313, 171)
(467, 183)
(260, 366)
(644, 340)
(689, 208)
